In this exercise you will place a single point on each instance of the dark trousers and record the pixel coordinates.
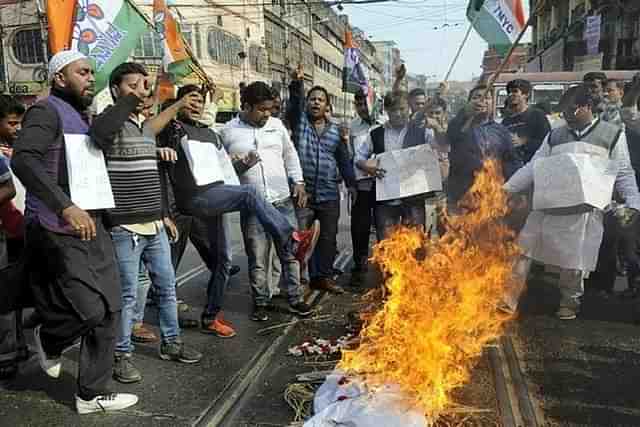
(361, 217)
(13, 348)
(12, 344)
(616, 241)
(328, 213)
(210, 205)
(77, 292)
(194, 229)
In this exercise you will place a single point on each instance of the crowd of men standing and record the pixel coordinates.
(173, 178)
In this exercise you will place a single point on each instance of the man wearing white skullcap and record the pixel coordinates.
(77, 288)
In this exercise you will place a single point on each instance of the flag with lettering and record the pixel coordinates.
(107, 31)
(176, 61)
(354, 76)
(497, 21)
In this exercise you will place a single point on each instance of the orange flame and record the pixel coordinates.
(440, 311)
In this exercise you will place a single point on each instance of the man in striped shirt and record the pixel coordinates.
(138, 222)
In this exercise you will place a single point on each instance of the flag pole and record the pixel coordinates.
(508, 56)
(464, 41)
(515, 44)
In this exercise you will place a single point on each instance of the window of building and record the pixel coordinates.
(219, 20)
(248, 32)
(223, 47)
(28, 46)
(149, 46)
(257, 58)
(191, 34)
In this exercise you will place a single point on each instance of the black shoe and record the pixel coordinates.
(186, 323)
(178, 352)
(301, 309)
(235, 269)
(259, 314)
(124, 371)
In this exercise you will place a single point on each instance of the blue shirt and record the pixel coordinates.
(321, 155)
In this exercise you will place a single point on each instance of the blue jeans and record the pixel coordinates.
(263, 271)
(144, 283)
(155, 253)
(209, 204)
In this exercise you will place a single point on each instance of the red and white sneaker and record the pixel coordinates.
(306, 241)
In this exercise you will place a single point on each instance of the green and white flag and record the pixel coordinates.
(107, 31)
(497, 21)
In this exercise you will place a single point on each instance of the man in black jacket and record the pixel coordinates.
(77, 290)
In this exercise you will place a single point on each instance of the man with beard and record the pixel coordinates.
(323, 148)
(568, 234)
(528, 126)
(254, 134)
(205, 186)
(77, 291)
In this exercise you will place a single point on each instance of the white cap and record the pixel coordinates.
(62, 59)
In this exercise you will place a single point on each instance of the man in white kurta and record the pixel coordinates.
(569, 238)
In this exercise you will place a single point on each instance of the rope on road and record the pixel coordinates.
(299, 396)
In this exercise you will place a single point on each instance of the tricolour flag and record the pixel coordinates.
(60, 15)
(176, 61)
(354, 75)
(499, 22)
(107, 31)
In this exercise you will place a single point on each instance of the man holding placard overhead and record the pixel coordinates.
(78, 288)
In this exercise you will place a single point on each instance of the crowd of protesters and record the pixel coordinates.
(174, 178)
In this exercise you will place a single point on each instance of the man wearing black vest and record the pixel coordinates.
(398, 133)
(208, 188)
(568, 234)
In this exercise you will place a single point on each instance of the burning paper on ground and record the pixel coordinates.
(348, 401)
(440, 310)
(319, 346)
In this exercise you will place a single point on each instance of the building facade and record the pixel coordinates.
(561, 32)
(23, 54)
(226, 38)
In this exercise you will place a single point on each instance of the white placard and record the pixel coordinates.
(570, 180)
(409, 172)
(89, 183)
(208, 163)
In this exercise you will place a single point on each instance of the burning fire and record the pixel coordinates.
(440, 311)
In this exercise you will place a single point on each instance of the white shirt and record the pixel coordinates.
(393, 140)
(359, 133)
(279, 162)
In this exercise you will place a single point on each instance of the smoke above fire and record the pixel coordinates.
(439, 310)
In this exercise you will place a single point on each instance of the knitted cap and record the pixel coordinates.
(62, 59)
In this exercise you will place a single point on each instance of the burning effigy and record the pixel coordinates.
(439, 311)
